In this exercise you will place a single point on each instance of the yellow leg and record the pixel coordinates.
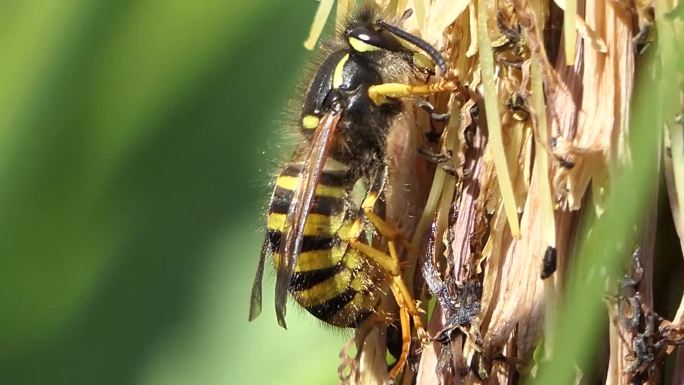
(388, 231)
(368, 203)
(390, 263)
(381, 93)
(405, 299)
(405, 343)
(382, 259)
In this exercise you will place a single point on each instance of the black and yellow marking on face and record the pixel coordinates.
(361, 46)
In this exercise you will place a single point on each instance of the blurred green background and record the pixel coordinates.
(137, 139)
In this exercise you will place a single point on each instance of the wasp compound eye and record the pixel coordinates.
(364, 39)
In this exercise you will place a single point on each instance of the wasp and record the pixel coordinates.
(317, 229)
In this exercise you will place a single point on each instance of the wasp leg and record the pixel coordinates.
(382, 93)
(434, 134)
(387, 230)
(391, 262)
(385, 261)
(405, 342)
(430, 109)
(407, 305)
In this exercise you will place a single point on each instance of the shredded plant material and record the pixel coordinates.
(540, 128)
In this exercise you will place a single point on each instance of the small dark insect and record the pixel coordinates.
(510, 47)
(460, 304)
(516, 105)
(549, 262)
(645, 350)
(510, 38)
(459, 313)
(629, 286)
(560, 156)
(469, 132)
(646, 18)
(651, 335)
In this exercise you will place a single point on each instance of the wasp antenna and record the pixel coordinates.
(418, 42)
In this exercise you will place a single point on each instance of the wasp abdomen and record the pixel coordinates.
(331, 280)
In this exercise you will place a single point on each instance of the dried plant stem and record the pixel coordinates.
(496, 147)
(324, 8)
(569, 31)
(549, 164)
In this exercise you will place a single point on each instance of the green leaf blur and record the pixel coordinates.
(137, 140)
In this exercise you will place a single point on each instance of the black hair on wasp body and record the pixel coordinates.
(312, 219)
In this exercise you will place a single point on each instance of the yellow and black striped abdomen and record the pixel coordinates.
(331, 280)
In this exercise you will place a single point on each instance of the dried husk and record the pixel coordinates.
(553, 169)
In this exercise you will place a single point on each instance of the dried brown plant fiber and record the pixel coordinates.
(539, 129)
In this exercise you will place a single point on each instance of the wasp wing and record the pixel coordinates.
(255, 304)
(301, 205)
